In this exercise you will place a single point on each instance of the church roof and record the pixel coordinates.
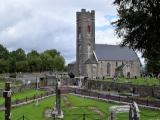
(114, 52)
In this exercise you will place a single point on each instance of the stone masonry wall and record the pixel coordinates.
(142, 90)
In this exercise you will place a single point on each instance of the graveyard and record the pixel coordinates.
(74, 108)
(58, 62)
(75, 103)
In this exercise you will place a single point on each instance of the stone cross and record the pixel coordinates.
(58, 100)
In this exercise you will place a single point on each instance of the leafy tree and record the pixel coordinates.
(139, 27)
(22, 66)
(20, 54)
(4, 53)
(34, 61)
(3, 66)
(52, 52)
(47, 61)
(12, 61)
(59, 63)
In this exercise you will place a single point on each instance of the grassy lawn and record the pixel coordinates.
(23, 94)
(145, 114)
(14, 83)
(94, 109)
(139, 81)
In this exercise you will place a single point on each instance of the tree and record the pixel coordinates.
(22, 66)
(52, 52)
(4, 53)
(20, 54)
(12, 61)
(59, 63)
(47, 61)
(34, 61)
(3, 66)
(139, 27)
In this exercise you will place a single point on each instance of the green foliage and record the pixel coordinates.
(3, 52)
(34, 61)
(20, 54)
(18, 61)
(59, 63)
(139, 27)
(52, 52)
(3, 66)
(47, 61)
(22, 66)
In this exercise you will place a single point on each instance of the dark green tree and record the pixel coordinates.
(34, 61)
(3, 66)
(47, 61)
(12, 61)
(59, 63)
(139, 27)
(4, 53)
(52, 52)
(20, 54)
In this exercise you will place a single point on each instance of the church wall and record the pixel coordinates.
(132, 66)
(136, 68)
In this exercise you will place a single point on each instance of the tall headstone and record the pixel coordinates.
(57, 109)
(85, 39)
(7, 96)
(58, 100)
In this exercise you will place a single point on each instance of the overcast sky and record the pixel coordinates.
(48, 24)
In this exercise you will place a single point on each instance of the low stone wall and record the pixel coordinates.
(142, 90)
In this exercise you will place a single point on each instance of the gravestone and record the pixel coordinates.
(58, 113)
(131, 108)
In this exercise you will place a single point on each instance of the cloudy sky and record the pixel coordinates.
(47, 24)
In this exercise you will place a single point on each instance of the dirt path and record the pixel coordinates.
(66, 101)
(95, 109)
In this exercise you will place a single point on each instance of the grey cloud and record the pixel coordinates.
(46, 24)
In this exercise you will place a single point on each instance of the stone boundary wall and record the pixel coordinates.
(142, 90)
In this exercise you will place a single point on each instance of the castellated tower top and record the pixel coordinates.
(86, 13)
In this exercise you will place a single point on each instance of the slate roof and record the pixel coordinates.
(114, 52)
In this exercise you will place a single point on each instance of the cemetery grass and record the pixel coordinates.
(14, 83)
(73, 108)
(23, 94)
(139, 81)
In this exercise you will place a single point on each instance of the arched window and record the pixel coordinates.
(108, 69)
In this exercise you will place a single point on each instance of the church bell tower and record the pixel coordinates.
(85, 43)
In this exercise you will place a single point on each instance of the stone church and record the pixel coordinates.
(100, 60)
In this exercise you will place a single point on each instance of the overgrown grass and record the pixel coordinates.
(25, 93)
(139, 81)
(74, 107)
